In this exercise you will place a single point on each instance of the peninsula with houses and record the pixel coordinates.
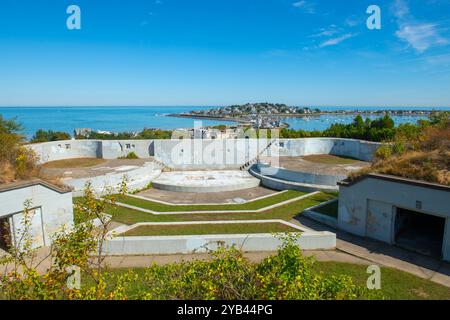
(270, 115)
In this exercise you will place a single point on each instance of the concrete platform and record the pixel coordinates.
(301, 164)
(106, 167)
(205, 181)
(206, 197)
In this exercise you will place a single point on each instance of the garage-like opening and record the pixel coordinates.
(420, 232)
(5, 234)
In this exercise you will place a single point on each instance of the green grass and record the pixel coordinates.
(286, 212)
(329, 159)
(395, 284)
(255, 205)
(330, 209)
(196, 229)
(74, 163)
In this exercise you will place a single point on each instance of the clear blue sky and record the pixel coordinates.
(220, 52)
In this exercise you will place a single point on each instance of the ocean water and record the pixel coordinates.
(117, 119)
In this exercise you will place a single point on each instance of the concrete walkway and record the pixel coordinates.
(376, 252)
(145, 261)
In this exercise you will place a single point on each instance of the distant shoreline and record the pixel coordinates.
(411, 113)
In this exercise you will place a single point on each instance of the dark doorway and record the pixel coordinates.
(419, 232)
(5, 234)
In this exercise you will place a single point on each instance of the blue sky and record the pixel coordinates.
(220, 52)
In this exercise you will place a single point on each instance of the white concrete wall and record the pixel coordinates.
(69, 149)
(367, 207)
(362, 150)
(200, 243)
(137, 178)
(113, 149)
(301, 177)
(279, 184)
(202, 154)
(57, 208)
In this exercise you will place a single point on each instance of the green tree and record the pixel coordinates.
(49, 135)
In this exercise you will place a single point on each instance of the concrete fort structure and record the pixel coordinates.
(50, 209)
(408, 213)
(204, 154)
(213, 155)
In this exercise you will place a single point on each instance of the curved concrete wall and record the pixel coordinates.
(359, 149)
(279, 184)
(206, 189)
(107, 149)
(298, 176)
(136, 178)
(203, 154)
(69, 149)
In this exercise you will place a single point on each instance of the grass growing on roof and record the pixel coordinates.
(255, 205)
(286, 212)
(203, 229)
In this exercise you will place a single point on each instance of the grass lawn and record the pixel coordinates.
(395, 284)
(329, 159)
(285, 212)
(74, 163)
(196, 229)
(255, 205)
(330, 209)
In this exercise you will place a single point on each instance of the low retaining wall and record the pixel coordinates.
(148, 245)
(319, 217)
(205, 181)
(136, 179)
(279, 184)
(298, 176)
(199, 244)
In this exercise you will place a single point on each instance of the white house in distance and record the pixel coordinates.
(51, 209)
(404, 212)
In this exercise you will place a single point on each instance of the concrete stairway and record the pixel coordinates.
(248, 164)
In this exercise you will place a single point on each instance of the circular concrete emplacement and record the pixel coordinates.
(205, 181)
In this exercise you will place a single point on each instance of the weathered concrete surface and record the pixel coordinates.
(143, 245)
(377, 252)
(368, 207)
(280, 184)
(238, 196)
(143, 261)
(205, 181)
(300, 164)
(358, 149)
(53, 211)
(298, 176)
(137, 177)
(69, 149)
(197, 154)
(105, 167)
(319, 217)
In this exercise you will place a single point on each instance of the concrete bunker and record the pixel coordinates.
(419, 232)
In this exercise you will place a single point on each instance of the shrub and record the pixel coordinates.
(131, 155)
(383, 152)
(49, 135)
(16, 161)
